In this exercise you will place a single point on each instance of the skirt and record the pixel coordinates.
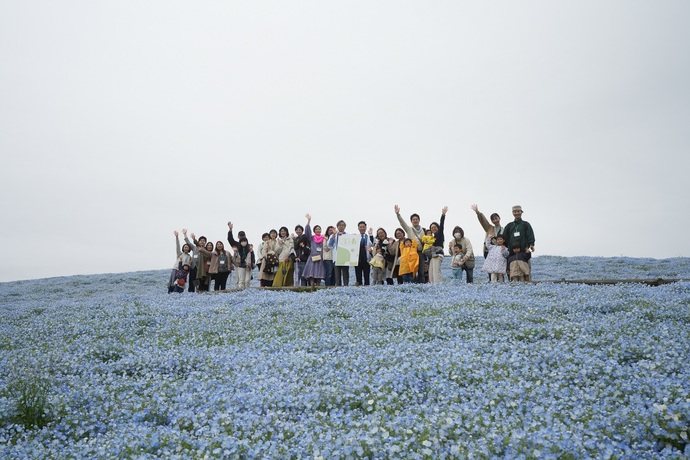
(285, 274)
(314, 269)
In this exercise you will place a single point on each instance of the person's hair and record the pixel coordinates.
(436, 224)
(213, 246)
(299, 226)
(428, 230)
(328, 229)
(273, 230)
(457, 246)
(241, 233)
(188, 247)
(395, 233)
(361, 222)
(341, 221)
(222, 246)
(406, 240)
(494, 214)
(458, 229)
(516, 244)
(414, 215)
(202, 238)
(265, 235)
(500, 235)
(317, 226)
(287, 232)
(243, 239)
(380, 229)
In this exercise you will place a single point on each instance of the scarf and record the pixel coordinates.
(318, 239)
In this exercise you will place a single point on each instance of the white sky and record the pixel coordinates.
(122, 121)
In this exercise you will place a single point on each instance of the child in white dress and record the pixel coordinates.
(496, 259)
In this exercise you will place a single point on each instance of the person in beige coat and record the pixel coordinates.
(268, 246)
(286, 268)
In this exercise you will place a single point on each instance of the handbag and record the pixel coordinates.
(316, 258)
(270, 263)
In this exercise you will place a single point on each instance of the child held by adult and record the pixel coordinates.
(183, 257)
(181, 278)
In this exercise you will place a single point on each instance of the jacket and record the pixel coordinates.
(520, 231)
(409, 259)
(213, 268)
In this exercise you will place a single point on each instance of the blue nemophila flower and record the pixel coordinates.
(448, 370)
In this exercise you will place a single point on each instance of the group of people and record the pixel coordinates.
(307, 256)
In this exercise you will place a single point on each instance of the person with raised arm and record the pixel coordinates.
(494, 227)
(183, 258)
(314, 270)
(244, 257)
(192, 284)
(414, 232)
(436, 256)
(302, 254)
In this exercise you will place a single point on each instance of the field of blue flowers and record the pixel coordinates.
(111, 366)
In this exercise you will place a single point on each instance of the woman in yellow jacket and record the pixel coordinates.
(409, 260)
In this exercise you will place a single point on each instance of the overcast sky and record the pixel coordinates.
(123, 121)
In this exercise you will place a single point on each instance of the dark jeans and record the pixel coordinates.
(362, 271)
(421, 278)
(300, 270)
(221, 280)
(192, 277)
(395, 275)
(329, 275)
(470, 274)
(342, 275)
(408, 278)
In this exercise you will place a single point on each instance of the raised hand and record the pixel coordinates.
(444, 210)
(229, 225)
(397, 209)
(176, 234)
(475, 208)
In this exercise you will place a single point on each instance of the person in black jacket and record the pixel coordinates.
(244, 257)
(302, 253)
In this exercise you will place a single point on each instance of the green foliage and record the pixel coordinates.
(30, 396)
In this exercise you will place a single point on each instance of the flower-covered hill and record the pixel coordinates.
(111, 366)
